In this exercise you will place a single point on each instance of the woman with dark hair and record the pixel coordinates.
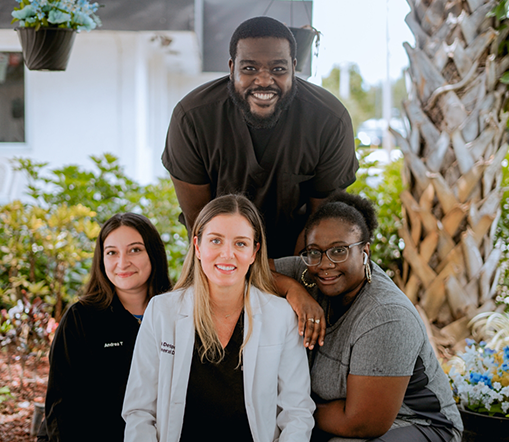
(220, 357)
(374, 376)
(91, 353)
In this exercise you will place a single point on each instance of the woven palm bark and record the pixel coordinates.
(452, 167)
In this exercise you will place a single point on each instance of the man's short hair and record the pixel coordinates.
(260, 27)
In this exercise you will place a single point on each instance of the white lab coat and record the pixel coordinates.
(276, 375)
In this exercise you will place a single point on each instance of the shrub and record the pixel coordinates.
(45, 252)
(48, 244)
(502, 233)
(382, 185)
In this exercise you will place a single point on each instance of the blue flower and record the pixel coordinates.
(85, 21)
(75, 14)
(470, 342)
(24, 13)
(57, 17)
(475, 378)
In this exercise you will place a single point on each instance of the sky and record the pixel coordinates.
(354, 31)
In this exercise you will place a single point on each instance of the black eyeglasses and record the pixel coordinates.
(313, 257)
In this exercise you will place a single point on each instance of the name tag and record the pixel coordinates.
(167, 348)
(113, 344)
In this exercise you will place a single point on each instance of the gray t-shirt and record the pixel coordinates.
(381, 334)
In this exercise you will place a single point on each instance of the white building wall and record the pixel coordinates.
(116, 96)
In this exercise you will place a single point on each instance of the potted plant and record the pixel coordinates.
(480, 381)
(304, 37)
(47, 29)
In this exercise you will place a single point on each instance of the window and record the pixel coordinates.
(12, 98)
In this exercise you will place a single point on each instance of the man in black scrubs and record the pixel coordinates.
(283, 142)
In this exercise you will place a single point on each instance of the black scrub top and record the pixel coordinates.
(310, 154)
(215, 407)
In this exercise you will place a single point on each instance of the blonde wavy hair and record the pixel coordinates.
(258, 275)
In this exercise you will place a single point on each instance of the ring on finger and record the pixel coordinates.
(311, 319)
(317, 321)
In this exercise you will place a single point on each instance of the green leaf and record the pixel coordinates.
(505, 78)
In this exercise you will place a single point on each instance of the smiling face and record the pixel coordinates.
(343, 279)
(226, 251)
(263, 79)
(126, 261)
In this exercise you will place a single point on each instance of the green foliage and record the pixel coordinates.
(106, 190)
(361, 104)
(5, 394)
(47, 246)
(160, 205)
(365, 101)
(382, 185)
(501, 13)
(502, 234)
(501, 10)
(45, 252)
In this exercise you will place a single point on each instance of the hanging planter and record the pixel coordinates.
(47, 30)
(304, 37)
(47, 49)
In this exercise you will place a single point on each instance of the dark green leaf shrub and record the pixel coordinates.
(47, 245)
(382, 185)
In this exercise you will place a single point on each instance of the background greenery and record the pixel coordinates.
(365, 101)
(49, 241)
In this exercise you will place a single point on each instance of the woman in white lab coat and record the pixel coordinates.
(221, 355)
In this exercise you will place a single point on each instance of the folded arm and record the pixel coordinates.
(370, 408)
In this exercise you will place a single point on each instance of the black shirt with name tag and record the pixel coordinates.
(90, 359)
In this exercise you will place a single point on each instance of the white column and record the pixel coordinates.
(344, 81)
(387, 142)
(143, 153)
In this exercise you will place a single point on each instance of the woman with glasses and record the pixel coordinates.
(374, 376)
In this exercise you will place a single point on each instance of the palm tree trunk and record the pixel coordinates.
(453, 156)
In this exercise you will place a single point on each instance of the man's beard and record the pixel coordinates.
(254, 120)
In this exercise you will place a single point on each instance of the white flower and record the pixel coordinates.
(475, 375)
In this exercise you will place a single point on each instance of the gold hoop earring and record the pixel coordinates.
(367, 269)
(302, 278)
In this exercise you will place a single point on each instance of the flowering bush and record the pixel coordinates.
(72, 14)
(480, 379)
